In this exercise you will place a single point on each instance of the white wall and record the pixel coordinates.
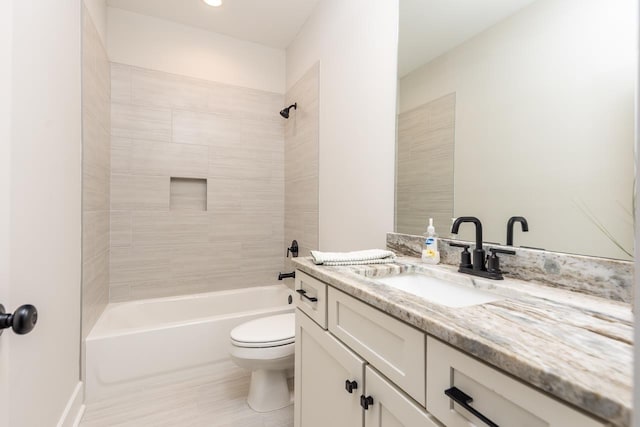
(544, 119)
(6, 49)
(45, 162)
(356, 43)
(98, 12)
(162, 45)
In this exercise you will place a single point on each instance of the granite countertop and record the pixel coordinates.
(573, 346)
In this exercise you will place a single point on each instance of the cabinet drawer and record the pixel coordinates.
(500, 398)
(311, 297)
(395, 349)
(390, 406)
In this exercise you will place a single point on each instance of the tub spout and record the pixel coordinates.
(291, 275)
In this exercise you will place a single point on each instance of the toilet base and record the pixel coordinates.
(268, 390)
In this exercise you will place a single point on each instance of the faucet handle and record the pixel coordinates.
(465, 256)
(495, 251)
(493, 262)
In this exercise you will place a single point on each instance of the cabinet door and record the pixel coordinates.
(323, 365)
(503, 400)
(389, 407)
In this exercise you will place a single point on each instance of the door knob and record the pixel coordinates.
(22, 321)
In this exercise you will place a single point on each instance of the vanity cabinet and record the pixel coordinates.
(357, 366)
(496, 396)
(335, 387)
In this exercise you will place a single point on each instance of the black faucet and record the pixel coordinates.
(478, 252)
(525, 227)
(478, 266)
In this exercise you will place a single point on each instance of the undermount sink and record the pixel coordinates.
(439, 291)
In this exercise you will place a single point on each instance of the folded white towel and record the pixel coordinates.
(370, 256)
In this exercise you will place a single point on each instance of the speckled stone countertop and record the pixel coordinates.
(573, 346)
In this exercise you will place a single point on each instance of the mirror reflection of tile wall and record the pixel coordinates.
(424, 182)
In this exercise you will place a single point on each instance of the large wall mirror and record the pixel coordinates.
(519, 108)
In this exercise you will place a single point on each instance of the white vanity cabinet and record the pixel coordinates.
(503, 400)
(357, 366)
(335, 387)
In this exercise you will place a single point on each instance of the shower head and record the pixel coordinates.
(285, 112)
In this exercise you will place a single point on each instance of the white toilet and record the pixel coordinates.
(265, 346)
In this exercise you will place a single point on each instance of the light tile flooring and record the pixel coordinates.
(212, 396)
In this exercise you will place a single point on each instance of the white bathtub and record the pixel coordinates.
(133, 341)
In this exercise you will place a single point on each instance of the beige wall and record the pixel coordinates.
(96, 154)
(157, 44)
(97, 10)
(45, 208)
(165, 125)
(301, 164)
(544, 122)
(356, 44)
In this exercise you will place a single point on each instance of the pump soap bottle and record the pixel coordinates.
(430, 253)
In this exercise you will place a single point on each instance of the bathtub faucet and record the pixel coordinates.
(291, 275)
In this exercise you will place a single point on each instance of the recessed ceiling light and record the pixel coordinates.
(214, 3)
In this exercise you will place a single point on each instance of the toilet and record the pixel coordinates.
(265, 346)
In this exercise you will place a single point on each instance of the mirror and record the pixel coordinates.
(519, 108)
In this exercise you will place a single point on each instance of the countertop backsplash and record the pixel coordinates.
(600, 277)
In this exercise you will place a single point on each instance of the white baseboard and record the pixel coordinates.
(74, 409)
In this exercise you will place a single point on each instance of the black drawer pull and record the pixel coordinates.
(366, 401)
(304, 295)
(463, 399)
(350, 386)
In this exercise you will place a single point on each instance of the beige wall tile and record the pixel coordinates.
(120, 83)
(301, 164)
(157, 89)
(178, 160)
(234, 138)
(96, 124)
(133, 121)
(188, 194)
(137, 192)
(214, 130)
(121, 228)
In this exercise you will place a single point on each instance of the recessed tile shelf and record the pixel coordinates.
(188, 194)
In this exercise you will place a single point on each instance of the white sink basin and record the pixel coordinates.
(439, 291)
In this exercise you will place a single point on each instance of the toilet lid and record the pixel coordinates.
(266, 332)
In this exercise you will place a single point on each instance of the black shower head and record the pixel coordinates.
(285, 113)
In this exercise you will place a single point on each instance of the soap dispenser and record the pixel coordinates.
(430, 253)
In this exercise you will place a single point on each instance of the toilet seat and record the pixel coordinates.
(272, 331)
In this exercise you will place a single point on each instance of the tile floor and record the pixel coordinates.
(212, 396)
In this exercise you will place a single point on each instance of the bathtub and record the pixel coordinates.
(137, 340)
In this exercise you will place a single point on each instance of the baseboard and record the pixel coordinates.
(73, 411)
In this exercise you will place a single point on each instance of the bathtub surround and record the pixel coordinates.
(96, 148)
(301, 139)
(167, 126)
(601, 277)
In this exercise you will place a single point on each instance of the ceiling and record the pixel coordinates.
(429, 28)
(272, 23)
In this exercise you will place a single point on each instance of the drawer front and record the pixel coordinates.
(395, 349)
(496, 396)
(311, 297)
(390, 406)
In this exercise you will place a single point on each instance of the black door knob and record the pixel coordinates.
(22, 321)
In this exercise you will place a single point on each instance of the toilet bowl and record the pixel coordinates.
(265, 346)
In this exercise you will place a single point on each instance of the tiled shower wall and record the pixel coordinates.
(301, 164)
(424, 173)
(219, 223)
(96, 117)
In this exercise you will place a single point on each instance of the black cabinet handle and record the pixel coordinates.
(463, 399)
(22, 321)
(350, 386)
(303, 293)
(366, 401)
